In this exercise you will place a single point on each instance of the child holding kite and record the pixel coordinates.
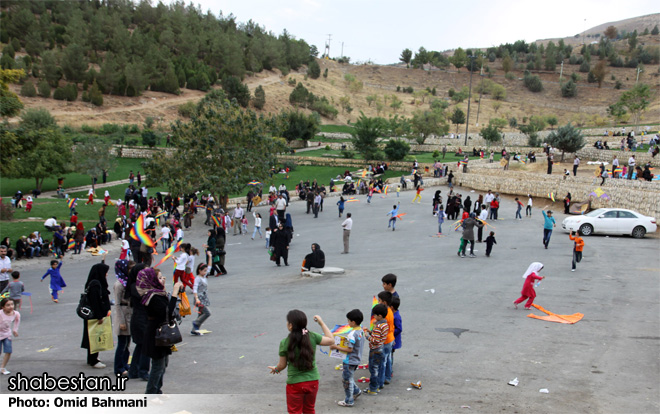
(528, 292)
(393, 216)
(201, 299)
(418, 196)
(56, 281)
(577, 249)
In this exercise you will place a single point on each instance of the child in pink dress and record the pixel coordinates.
(528, 291)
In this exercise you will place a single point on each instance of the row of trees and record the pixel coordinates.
(139, 46)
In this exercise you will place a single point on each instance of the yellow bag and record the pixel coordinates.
(100, 335)
(184, 306)
(256, 200)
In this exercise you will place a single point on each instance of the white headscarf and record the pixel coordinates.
(533, 268)
(107, 193)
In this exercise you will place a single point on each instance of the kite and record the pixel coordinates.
(71, 244)
(140, 234)
(376, 190)
(341, 329)
(386, 187)
(352, 200)
(374, 302)
(463, 162)
(216, 221)
(72, 202)
(254, 183)
(161, 214)
(599, 191)
(399, 216)
(553, 317)
(551, 196)
(169, 252)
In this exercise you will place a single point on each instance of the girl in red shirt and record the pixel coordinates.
(528, 291)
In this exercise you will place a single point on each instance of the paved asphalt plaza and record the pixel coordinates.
(462, 337)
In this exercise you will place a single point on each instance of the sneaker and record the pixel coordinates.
(515, 305)
(572, 270)
(462, 256)
(99, 365)
(344, 404)
(5, 372)
(459, 254)
(355, 396)
(472, 255)
(369, 392)
(386, 382)
(195, 327)
(195, 333)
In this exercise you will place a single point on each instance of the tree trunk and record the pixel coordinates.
(562, 157)
(38, 185)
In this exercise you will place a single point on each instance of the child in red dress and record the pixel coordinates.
(528, 291)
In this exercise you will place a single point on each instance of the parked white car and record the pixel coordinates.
(611, 221)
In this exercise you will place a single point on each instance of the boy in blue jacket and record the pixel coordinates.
(398, 328)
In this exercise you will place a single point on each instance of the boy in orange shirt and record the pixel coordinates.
(385, 298)
(577, 249)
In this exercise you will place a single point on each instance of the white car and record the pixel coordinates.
(611, 221)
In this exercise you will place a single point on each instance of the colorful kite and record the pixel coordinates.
(254, 183)
(374, 302)
(551, 196)
(352, 200)
(341, 329)
(216, 221)
(553, 317)
(71, 203)
(169, 252)
(140, 234)
(399, 216)
(71, 244)
(161, 214)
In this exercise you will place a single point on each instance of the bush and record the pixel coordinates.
(533, 83)
(509, 76)
(530, 66)
(187, 109)
(259, 99)
(292, 82)
(328, 148)
(59, 94)
(347, 154)
(591, 78)
(324, 108)
(498, 91)
(575, 77)
(569, 89)
(236, 90)
(585, 67)
(618, 84)
(95, 95)
(435, 154)
(67, 129)
(396, 149)
(132, 142)
(149, 138)
(87, 129)
(107, 129)
(28, 90)
(135, 129)
(6, 211)
(313, 69)
(44, 89)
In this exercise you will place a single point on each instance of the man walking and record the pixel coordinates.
(280, 207)
(548, 225)
(237, 217)
(631, 166)
(5, 267)
(347, 225)
(576, 163)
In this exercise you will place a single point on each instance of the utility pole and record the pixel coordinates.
(467, 121)
(342, 49)
(481, 90)
(327, 47)
(561, 71)
(638, 70)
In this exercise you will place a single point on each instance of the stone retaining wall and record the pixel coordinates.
(593, 154)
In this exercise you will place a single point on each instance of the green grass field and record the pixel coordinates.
(9, 186)
(337, 128)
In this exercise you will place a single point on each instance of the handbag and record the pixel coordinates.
(168, 333)
(100, 335)
(84, 310)
(184, 306)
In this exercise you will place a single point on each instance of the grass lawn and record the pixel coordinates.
(421, 157)
(337, 128)
(9, 186)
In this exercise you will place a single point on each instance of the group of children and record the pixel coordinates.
(384, 338)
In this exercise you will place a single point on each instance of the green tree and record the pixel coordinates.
(371, 99)
(636, 100)
(259, 99)
(396, 103)
(44, 89)
(236, 90)
(92, 157)
(325, 73)
(28, 90)
(365, 135)
(406, 56)
(457, 118)
(632, 40)
(459, 58)
(551, 120)
(569, 89)
(536, 124)
(507, 64)
(149, 138)
(299, 126)
(10, 105)
(236, 145)
(491, 133)
(567, 138)
(95, 95)
(345, 103)
(300, 96)
(618, 112)
(37, 118)
(426, 123)
(313, 69)
(655, 30)
(51, 71)
(533, 83)
(599, 72)
(396, 149)
(74, 64)
(44, 153)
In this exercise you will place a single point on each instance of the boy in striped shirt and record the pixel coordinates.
(376, 339)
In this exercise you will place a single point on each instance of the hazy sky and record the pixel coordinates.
(380, 29)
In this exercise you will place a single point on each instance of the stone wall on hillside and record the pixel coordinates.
(138, 152)
(593, 154)
(640, 196)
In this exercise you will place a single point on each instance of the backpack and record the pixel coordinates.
(84, 310)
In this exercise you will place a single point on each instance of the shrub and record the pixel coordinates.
(569, 89)
(28, 90)
(236, 90)
(292, 82)
(396, 149)
(95, 95)
(585, 67)
(187, 109)
(530, 66)
(259, 99)
(591, 78)
(498, 91)
(435, 154)
(87, 129)
(132, 142)
(347, 154)
(149, 122)
(135, 129)
(575, 77)
(107, 129)
(533, 83)
(313, 69)
(6, 211)
(149, 138)
(67, 129)
(328, 148)
(59, 94)
(325, 108)
(618, 84)
(510, 76)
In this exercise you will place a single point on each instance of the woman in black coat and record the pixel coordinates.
(98, 296)
(160, 307)
(467, 204)
(280, 243)
(139, 367)
(315, 259)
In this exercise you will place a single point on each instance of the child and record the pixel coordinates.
(7, 317)
(398, 190)
(268, 233)
(371, 193)
(418, 196)
(520, 205)
(389, 281)
(28, 206)
(340, 205)
(392, 214)
(56, 281)
(15, 289)
(73, 220)
(490, 240)
(528, 291)
(201, 299)
(385, 298)
(398, 328)
(257, 225)
(353, 357)
(528, 210)
(441, 217)
(577, 249)
(376, 339)
(244, 224)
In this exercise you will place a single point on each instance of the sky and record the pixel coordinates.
(378, 30)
